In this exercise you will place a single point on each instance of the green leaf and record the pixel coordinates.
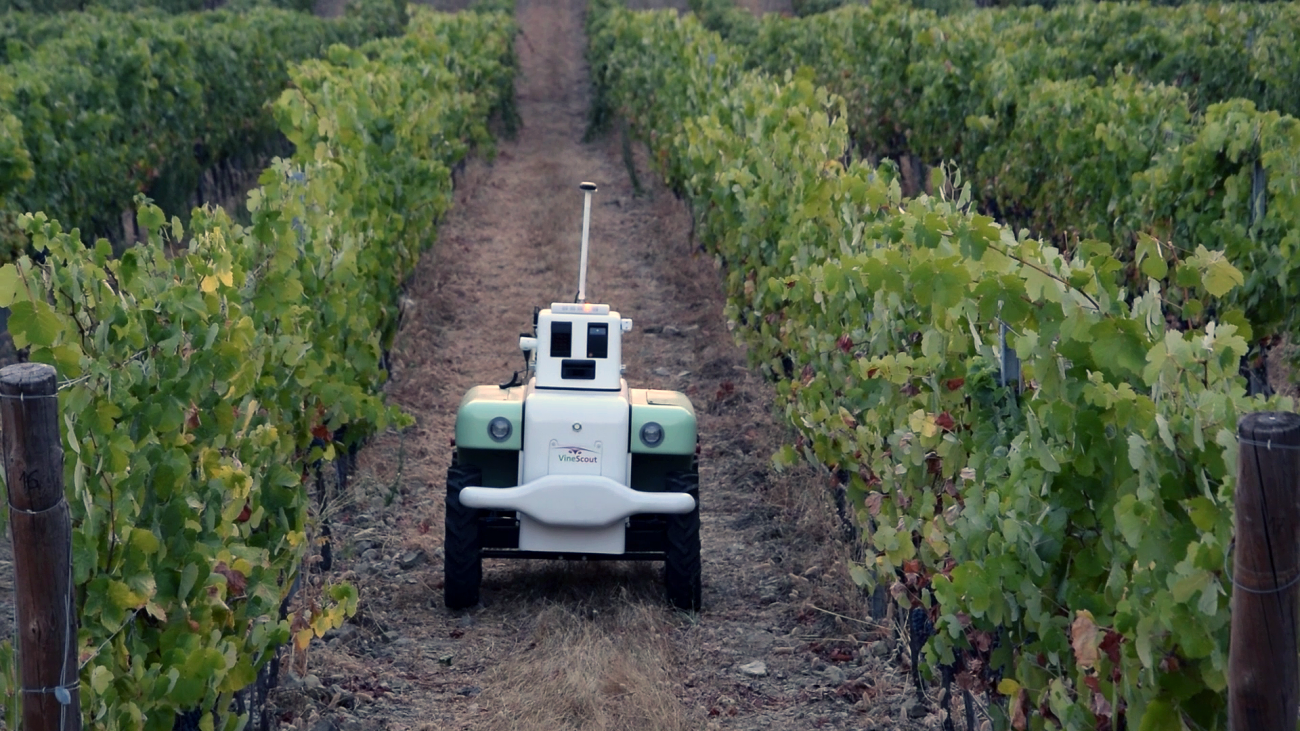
(1155, 267)
(10, 285)
(34, 323)
(1118, 348)
(151, 217)
(189, 575)
(860, 575)
(1184, 588)
(1142, 640)
(1218, 275)
(1160, 716)
(240, 676)
(67, 359)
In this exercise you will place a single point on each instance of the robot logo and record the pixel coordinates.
(578, 455)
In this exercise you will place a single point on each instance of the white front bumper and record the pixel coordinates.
(576, 501)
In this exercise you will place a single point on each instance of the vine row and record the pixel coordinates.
(1097, 120)
(207, 370)
(113, 104)
(1063, 529)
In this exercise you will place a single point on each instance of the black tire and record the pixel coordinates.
(462, 554)
(682, 573)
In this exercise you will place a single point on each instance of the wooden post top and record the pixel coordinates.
(1278, 426)
(29, 379)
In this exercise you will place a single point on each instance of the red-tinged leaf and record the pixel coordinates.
(871, 372)
(245, 514)
(954, 383)
(1170, 664)
(1093, 682)
(192, 416)
(845, 343)
(321, 432)
(235, 581)
(1110, 645)
(945, 421)
(1100, 707)
(912, 566)
(934, 465)
(1020, 711)
(873, 502)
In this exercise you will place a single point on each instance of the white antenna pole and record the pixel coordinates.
(588, 189)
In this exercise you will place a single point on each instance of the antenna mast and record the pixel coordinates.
(588, 189)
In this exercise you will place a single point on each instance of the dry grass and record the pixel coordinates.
(589, 668)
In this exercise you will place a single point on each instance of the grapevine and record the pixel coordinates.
(198, 382)
(1073, 533)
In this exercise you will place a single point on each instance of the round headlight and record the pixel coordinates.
(652, 434)
(499, 429)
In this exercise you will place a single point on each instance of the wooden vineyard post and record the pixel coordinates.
(1263, 677)
(42, 535)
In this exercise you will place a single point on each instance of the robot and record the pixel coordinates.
(568, 462)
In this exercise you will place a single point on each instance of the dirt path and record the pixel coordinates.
(762, 7)
(563, 646)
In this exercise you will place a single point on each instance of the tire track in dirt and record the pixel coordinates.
(585, 646)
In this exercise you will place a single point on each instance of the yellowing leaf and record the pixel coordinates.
(121, 596)
(1008, 687)
(923, 423)
(209, 284)
(100, 678)
(1084, 639)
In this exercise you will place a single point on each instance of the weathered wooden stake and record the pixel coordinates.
(42, 534)
(1263, 672)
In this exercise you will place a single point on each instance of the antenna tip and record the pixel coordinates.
(589, 187)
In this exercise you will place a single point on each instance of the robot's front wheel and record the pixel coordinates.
(462, 551)
(682, 546)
